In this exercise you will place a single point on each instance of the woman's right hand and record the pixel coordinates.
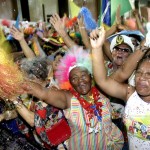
(31, 87)
(58, 23)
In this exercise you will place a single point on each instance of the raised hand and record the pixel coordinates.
(97, 38)
(57, 22)
(17, 34)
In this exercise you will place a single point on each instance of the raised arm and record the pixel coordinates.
(107, 84)
(138, 21)
(37, 48)
(117, 27)
(84, 34)
(19, 36)
(59, 26)
(57, 98)
(25, 113)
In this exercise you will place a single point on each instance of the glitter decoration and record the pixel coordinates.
(11, 77)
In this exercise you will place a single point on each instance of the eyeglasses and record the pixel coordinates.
(126, 50)
(139, 74)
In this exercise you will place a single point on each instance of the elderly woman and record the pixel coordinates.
(137, 112)
(87, 110)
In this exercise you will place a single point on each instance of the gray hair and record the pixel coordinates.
(37, 67)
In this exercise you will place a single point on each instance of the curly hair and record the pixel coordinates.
(37, 67)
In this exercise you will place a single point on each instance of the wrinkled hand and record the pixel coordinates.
(57, 23)
(31, 87)
(97, 38)
(18, 35)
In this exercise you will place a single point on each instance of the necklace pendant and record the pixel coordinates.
(91, 130)
(95, 130)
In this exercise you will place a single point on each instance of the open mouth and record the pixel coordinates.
(119, 58)
(82, 85)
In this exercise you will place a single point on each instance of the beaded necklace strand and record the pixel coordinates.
(93, 107)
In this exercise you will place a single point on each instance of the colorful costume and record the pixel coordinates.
(103, 136)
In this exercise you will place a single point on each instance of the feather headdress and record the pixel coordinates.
(76, 56)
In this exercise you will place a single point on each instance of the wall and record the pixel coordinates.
(8, 9)
(35, 8)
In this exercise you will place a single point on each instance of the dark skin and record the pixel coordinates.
(80, 80)
(116, 89)
(62, 98)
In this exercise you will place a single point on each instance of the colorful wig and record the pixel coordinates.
(76, 56)
(3, 42)
(11, 77)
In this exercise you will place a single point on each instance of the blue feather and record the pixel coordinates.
(9, 37)
(89, 22)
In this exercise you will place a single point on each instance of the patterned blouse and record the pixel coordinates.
(137, 121)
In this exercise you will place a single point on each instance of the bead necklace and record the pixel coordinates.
(93, 107)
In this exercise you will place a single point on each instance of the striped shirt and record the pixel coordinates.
(100, 136)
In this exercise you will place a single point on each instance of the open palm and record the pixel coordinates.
(97, 38)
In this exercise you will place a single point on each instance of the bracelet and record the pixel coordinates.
(82, 27)
(15, 102)
(18, 103)
(19, 106)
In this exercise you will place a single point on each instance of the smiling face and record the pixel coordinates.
(81, 80)
(142, 79)
(120, 54)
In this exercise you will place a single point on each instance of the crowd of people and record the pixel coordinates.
(83, 88)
